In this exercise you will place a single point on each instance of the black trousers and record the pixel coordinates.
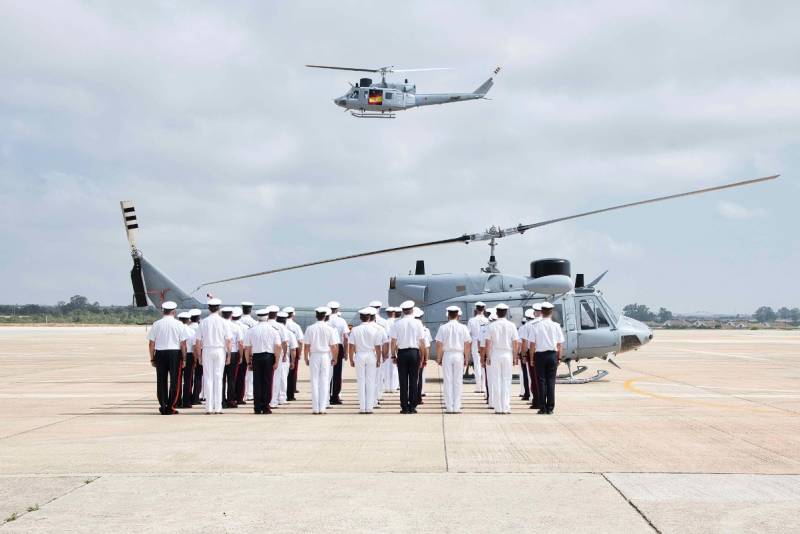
(408, 369)
(168, 378)
(291, 382)
(188, 381)
(229, 379)
(420, 378)
(534, 380)
(262, 380)
(525, 380)
(197, 387)
(241, 374)
(546, 365)
(336, 378)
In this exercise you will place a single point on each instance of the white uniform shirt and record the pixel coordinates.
(191, 334)
(262, 338)
(247, 322)
(167, 332)
(341, 327)
(482, 333)
(319, 336)
(475, 326)
(428, 339)
(213, 332)
(547, 334)
(503, 333)
(408, 332)
(366, 337)
(526, 331)
(237, 331)
(283, 332)
(383, 333)
(452, 335)
(384, 322)
(295, 329)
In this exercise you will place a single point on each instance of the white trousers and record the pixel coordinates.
(476, 366)
(502, 362)
(395, 384)
(213, 367)
(452, 369)
(279, 383)
(490, 383)
(385, 377)
(248, 385)
(320, 366)
(366, 377)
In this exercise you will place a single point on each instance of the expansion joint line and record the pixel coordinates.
(632, 505)
(444, 432)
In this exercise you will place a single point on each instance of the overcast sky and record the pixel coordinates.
(238, 160)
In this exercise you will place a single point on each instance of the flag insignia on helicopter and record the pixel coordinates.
(375, 97)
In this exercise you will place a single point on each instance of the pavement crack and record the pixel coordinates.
(444, 431)
(15, 516)
(631, 503)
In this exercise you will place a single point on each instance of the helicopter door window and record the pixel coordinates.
(602, 322)
(587, 314)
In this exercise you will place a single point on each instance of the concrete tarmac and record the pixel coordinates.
(699, 432)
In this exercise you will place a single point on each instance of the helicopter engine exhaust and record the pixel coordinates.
(550, 276)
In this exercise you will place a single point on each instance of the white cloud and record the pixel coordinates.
(732, 210)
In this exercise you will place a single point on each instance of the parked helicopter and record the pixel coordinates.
(592, 328)
(368, 100)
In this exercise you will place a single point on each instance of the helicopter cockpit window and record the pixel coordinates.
(354, 94)
(587, 314)
(602, 322)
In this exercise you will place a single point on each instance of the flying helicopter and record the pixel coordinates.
(380, 100)
(592, 328)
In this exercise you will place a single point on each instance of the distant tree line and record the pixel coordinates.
(764, 314)
(77, 310)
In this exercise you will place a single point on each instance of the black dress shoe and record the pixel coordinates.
(267, 410)
(161, 410)
(404, 411)
(413, 410)
(336, 401)
(542, 412)
(533, 407)
(549, 412)
(241, 402)
(524, 397)
(173, 412)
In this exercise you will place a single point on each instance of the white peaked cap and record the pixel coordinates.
(288, 309)
(501, 306)
(418, 313)
(493, 316)
(237, 311)
(168, 305)
(480, 304)
(547, 306)
(262, 312)
(529, 313)
(246, 303)
(273, 309)
(194, 312)
(226, 309)
(283, 315)
(321, 309)
(375, 304)
(366, 311)
(537, 306)
(407, 305)
(453, 308)
(459, 310)
(334, 305)
(184, 315)
(372, 311)
(214, 302)
(327, 310)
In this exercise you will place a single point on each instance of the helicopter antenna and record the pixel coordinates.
(492, 233)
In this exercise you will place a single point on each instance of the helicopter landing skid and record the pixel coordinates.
(569, 378)
(372, 115)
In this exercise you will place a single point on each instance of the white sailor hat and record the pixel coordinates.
(194, 312)
(418, 313)
(334, 305)
(247, 303)
(537, 306)
(214, 301)
(372, 311)
(321, 309)
(273, 309)
(227, 309)
(407, 305)
(459, 310)
(547, 306)
(184, 315)
(168, 305)
(492, 315)
(480, 304)
(283, 315)
(501, 306)
(453, 308)
(288, 309)
(375, 304)
(262, 312)
(328, 311)
(366, 311)
(529, 313)
(237, 311)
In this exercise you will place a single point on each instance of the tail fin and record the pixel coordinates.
(485, 86)
(148, 282)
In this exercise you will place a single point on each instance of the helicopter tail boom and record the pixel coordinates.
(484, 88)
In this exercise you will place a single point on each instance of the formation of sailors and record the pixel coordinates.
(228, 358)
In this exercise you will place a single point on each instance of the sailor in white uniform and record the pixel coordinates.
(247, 322)
(382, 377)
(488, 377)
(167, 347)
(547, 345)
(418, 315)
(342, 330)
(502, 346)
(230, 399)
(262, 343)
(187, 373)
(366, 343)
(287, 361)
(534, 315)
(319, 350)
(197, 368)
(294, 328)
(452, 354)
(214, 338)
(475, 324)
(281, 372)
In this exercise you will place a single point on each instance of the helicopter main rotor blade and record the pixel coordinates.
(419, 70)
(492, 233)
(356, 69)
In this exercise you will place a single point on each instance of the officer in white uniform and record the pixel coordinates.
(418, 315)
(502, 346)
(320, 351)
(262, 343)
(408, 343)
(365, 344)
(214, 337)
(488, 377)
(342, 329)
(187, 373)
(279, 380)
(247, 322)
(475, 324)
(167, 347)
(535, 315)
(547, 344)
(452, 354)
(230, 394)
(384, 372)
(287, 361)
(197, 367)
(294, 328)
(241, 367)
